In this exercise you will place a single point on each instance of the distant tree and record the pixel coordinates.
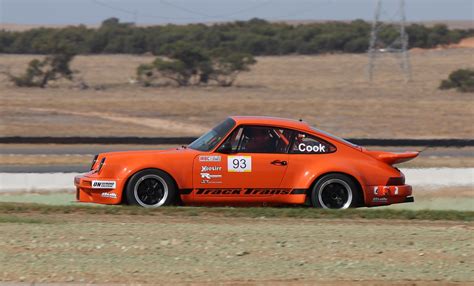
(184, 65)
(227, 66)
(187, 65)
(461, 79)
(39, 73)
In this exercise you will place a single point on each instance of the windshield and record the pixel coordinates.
(208, 141)
(335, 137)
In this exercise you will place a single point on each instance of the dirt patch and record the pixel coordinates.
(137, 249)
(464, 43)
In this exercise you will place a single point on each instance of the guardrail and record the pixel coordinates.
(187, 140)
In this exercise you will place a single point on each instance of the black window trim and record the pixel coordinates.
(224, 138)
(292, 139)
(255, 125)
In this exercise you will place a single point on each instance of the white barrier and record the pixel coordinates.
(440, 177)
(429, 177)
(31, 182)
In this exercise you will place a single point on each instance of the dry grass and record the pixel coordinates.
(108, 249)
(328, 91)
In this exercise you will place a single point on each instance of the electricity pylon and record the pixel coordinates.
(399, 47)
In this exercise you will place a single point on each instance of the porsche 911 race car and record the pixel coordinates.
(250, 161)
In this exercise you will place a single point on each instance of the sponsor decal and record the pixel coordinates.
(210, 182)
(209, 176)
(103, 184)
(210, 168)
(239, 164)
(243, 192)
(109, 195)
(312, 148)
(209, 158)
(379, 200)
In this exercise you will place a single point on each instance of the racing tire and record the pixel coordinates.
(335, 191)
(151, 188)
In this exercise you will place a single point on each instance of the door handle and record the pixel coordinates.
(279, 163)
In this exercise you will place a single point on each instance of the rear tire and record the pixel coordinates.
(151, 188)
(335, 191)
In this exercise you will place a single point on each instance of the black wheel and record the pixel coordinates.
(151, 189)
(335, 191)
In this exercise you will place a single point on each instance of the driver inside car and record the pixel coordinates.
(258, 140)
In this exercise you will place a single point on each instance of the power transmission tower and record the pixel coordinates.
(399, 47)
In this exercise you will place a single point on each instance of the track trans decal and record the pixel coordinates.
(243, 192)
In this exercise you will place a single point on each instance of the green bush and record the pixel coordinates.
(461, 79)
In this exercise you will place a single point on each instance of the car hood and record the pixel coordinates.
(144, 152)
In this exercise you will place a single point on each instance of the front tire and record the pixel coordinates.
(334, 191)
(151, 188)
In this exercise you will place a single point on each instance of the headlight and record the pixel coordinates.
(93, 161)
(102, 162)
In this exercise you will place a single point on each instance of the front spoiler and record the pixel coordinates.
(86, 193)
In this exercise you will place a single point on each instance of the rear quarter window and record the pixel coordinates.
(308, 144)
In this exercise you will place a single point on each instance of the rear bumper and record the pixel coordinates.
(387, 195)
(93, 189)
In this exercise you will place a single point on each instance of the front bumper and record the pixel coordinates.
(91, 188)
(387, 195)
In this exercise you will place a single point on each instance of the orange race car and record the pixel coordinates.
(250, 161)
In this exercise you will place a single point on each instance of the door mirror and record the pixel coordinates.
(226, 148)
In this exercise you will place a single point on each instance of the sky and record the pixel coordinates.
(93, 12)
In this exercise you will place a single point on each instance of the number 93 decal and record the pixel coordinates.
(239, 164)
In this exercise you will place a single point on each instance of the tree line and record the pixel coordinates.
(255, 37)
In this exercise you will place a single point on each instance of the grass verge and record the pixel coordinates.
(16, 219)
(255, 212)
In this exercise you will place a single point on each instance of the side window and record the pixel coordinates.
(307, 144)
(257, 139)
(284, 139)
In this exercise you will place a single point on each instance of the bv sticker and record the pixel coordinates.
(239, 164)
(103, 184)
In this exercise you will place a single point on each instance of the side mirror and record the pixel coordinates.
(226, 148)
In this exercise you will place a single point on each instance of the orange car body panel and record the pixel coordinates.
(204, 177)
